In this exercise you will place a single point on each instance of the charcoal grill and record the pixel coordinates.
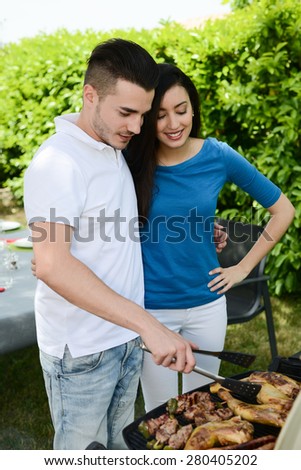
(135, 441)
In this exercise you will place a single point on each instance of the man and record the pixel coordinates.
(89, 299)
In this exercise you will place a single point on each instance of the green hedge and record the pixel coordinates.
(247, 68)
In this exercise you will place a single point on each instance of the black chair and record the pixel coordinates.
(250, 297)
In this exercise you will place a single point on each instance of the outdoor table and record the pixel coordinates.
(17, 321)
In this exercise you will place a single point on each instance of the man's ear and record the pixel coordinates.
(89, 94)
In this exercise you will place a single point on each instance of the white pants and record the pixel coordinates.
(205, 326)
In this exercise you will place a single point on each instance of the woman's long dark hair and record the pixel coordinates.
(142, 149)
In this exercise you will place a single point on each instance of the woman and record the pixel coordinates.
(178, 177)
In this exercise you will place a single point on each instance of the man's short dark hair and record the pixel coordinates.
(120, 59)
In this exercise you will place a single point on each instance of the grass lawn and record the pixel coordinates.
(24, 416)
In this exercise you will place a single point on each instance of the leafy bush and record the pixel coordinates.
(247, 68)
(251, 95)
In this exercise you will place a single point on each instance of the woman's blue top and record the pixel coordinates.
(177, 239)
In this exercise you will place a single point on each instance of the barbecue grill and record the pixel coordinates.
(290, 367)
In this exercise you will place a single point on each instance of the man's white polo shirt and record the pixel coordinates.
(75, 180)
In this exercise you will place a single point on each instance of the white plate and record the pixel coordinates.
(6, 225)
(22, 243)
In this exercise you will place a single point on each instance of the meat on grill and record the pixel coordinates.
(260, 443)
(215, 423)
(286, 385)
(269, 414)
(195, 399)
(209, 435)
(178, 440)
(218, 414)
(166, 430)
(153, 424)
(269, 394)
(198, 407)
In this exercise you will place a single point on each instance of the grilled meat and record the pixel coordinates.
(269, 394)
(178, 440)
(216, 426)
(170, 436)
(195, 399)
(270, 414)
(209, 435)
(289, 387)
(260, 443)
(150, 427)
(218, 414)
(198, 407)
(166, 430)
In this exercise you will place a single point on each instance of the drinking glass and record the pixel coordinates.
(8, 264)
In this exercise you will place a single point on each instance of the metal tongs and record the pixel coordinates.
(238, 358)
(247, 390)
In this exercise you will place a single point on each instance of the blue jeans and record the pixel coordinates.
(92, 398)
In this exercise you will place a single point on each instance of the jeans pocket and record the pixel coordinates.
(80, 365)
